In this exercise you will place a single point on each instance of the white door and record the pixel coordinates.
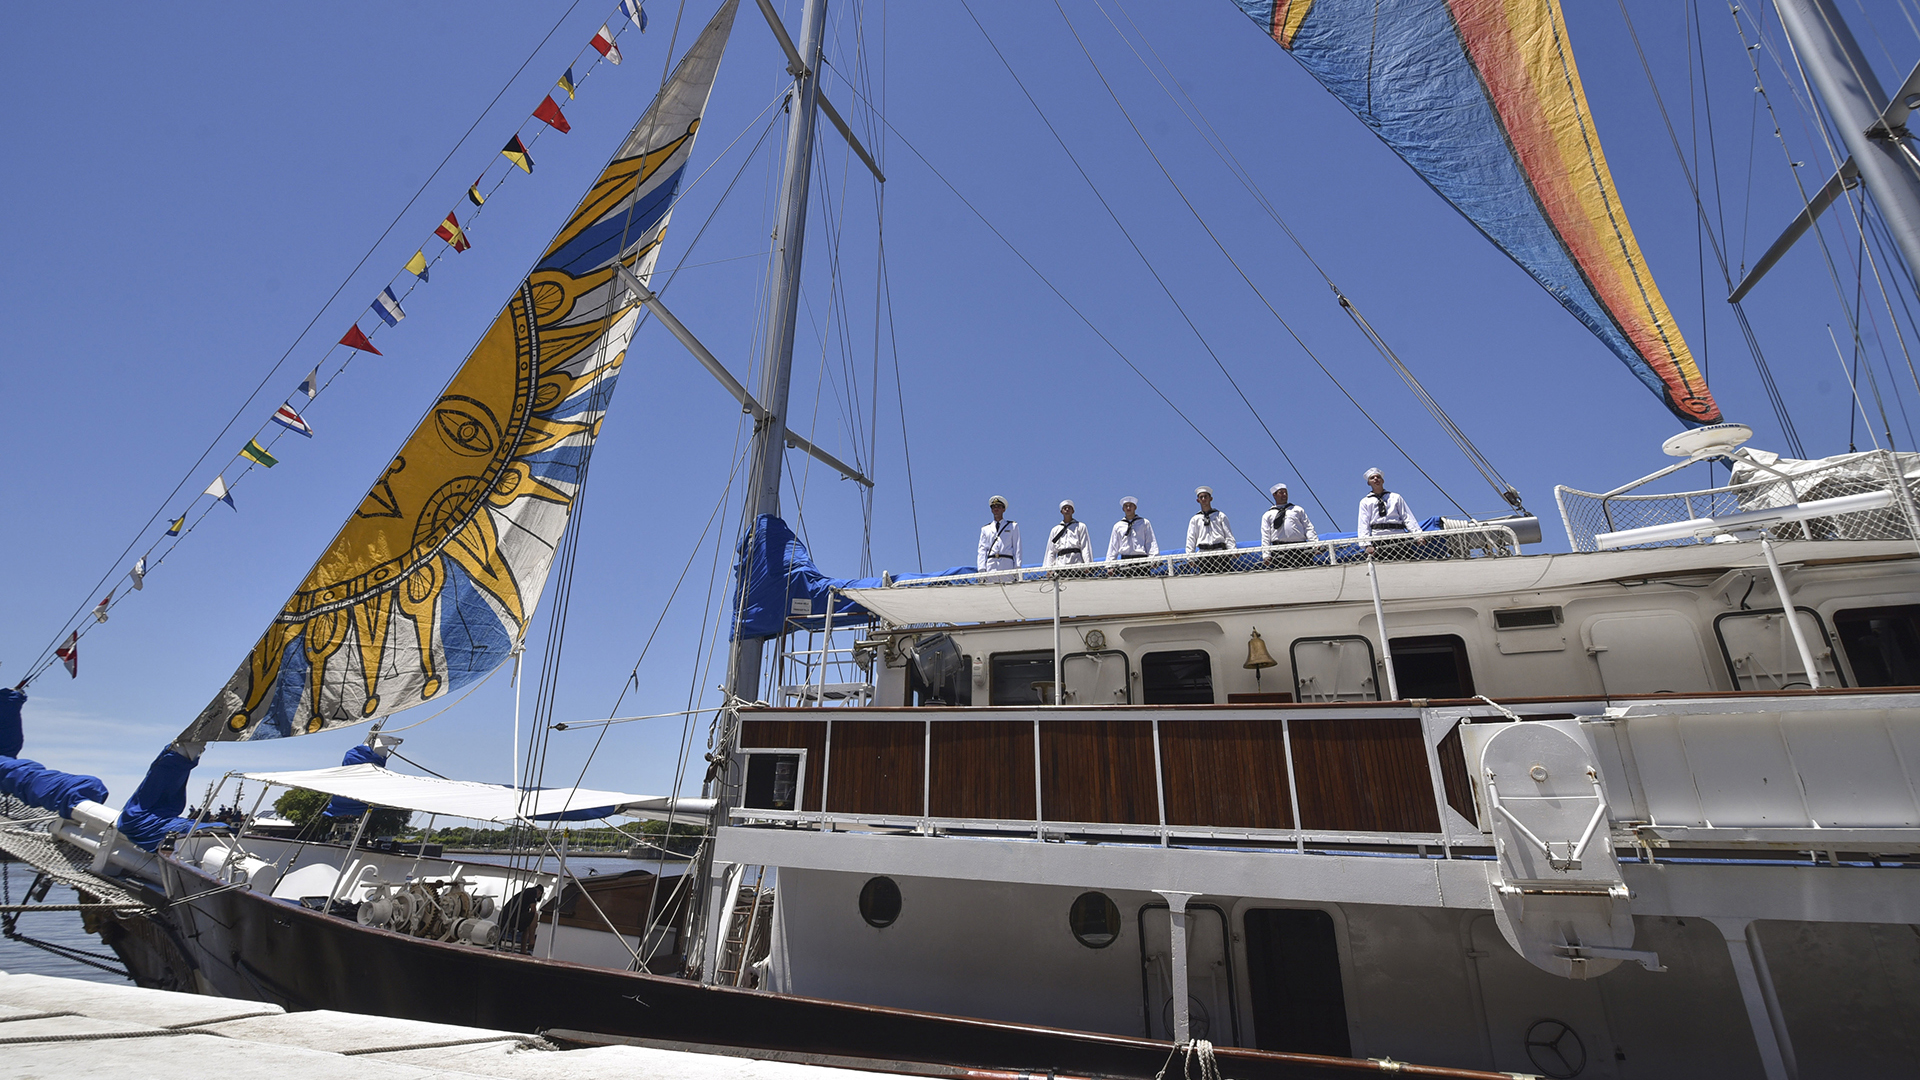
(1209, 979)
(1649, 653)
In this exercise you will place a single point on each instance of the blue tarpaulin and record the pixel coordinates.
(783, 572)
(342, 807)
(30, 781)
(154, 810)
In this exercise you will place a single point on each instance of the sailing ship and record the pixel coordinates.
(1641, 808)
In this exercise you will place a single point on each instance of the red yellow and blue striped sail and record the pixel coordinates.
(436, 574)
(1482, 99)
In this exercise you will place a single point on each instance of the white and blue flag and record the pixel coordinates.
(387, 306)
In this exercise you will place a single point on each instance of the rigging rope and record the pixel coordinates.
(45, 658)
(1772, 388)
(1217, 143)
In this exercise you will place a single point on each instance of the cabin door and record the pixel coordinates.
(1540, 1023)
(1209, 976)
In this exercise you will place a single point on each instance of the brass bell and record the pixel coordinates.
(1258, 657)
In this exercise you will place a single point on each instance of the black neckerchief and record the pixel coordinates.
(1061, 531)
(1380, 495)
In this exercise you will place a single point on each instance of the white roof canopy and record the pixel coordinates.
(484, 802)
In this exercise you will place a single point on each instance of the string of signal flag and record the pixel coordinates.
(386, 306)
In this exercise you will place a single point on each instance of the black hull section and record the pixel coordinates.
(239, 944)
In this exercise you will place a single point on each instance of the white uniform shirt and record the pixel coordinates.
(1137, 540)
(998, 544)
(1371, 514)
(1288, 525)
(1066, 544)
(1209, 528)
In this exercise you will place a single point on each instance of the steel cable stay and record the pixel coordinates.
(1204, 128)
(1060, 294)
(44, 659)
(1140, 252)
(1473, 455)
(1817, 228)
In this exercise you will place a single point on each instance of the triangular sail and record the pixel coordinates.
(1482, 99)
(434, 577)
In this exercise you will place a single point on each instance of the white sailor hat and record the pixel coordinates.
(1277, 488)
(997, 500)
(1371, 473)
(1128, 500)
(1064, 503)
(1201, 490)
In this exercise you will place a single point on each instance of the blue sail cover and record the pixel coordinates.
(30, 781)
(154, 810)
(780, 573)
(342, 807)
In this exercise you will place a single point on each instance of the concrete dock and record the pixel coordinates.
(66, 1029)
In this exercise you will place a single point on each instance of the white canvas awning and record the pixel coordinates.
(483, 802)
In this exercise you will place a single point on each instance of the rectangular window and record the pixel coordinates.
(1293, 977)
(1333, 669)
(1432, 667)
(1019, 678)
(773, 778)
(1882, 643)
(954, 688)
(1178, 677)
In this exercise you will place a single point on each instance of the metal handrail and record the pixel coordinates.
(1501, 540)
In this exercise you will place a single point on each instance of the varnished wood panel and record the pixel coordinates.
(781, 734)
(983, 769)
(1453, 773)
(1098, 770)
(876, 767)
(1363, 775)
(1229, 773)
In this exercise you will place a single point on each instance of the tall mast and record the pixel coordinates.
(783, 308)
(769, 442)
(1872, 128)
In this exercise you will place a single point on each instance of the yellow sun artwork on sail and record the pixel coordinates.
(432, 580)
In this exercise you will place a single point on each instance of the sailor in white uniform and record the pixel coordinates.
(1208, 531)
(1132, 538)
(1384, 513)
(1286, 522)
(999, 539)
(1067, 542)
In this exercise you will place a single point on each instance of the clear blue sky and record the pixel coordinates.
(189, 184)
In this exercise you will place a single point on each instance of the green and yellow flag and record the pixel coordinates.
(256, 453)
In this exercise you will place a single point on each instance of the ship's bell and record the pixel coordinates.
(1257, 655)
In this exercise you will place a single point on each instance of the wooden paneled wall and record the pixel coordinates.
(1360, 774)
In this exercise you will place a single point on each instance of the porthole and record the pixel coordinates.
(1094, 919)
(880, 902)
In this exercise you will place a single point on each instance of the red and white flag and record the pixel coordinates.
(69, 654)
(603, 41)
(100, 609)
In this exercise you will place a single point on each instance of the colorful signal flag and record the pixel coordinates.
(474, 196)
(566, 83)
(451, 232)
(100, 609)
(549, 114)
(353, 340)
(257, 454)
(69, 654)
(218, 489)
(387, 306)
(178, 524)
(516, 152)
(292, 421)
(603, 43)
(632, 10)
(417, 266)
(139, 574)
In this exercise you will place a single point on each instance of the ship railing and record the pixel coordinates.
(1456, 541)
(1588, 516)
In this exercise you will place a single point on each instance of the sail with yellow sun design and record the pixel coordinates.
(437, 572)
